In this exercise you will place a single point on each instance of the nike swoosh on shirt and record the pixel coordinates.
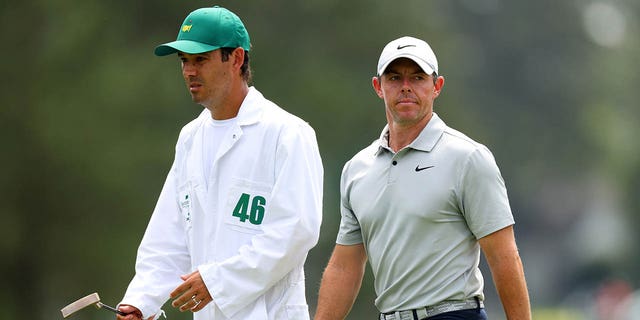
(418, 169)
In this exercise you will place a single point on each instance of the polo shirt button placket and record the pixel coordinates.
(392, 171)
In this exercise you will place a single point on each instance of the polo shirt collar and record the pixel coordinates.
(425, 141)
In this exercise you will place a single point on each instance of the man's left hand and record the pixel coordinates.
(192, 294)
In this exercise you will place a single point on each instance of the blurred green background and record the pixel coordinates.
(89, 119)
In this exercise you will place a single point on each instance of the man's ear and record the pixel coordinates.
(377, 86)
(438, 85)
(238, 57)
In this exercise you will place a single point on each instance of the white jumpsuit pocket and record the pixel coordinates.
(185, 203)
(247, 206)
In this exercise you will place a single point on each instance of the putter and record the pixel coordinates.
(90, 300)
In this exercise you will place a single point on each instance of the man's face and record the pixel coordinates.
(207, 77)
(407, 91)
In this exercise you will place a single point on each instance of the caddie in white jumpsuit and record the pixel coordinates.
(241, 206)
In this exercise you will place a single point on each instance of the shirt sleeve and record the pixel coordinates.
(484, 200)
(350, 232)
(295, 214)
(162, 255)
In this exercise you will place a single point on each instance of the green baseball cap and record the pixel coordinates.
(208, 29)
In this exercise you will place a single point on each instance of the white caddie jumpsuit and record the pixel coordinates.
(247, 228)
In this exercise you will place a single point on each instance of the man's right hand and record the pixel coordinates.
(132, 312)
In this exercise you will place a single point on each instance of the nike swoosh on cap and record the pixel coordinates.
(405, 46)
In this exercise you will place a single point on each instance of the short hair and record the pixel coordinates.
(245, 69)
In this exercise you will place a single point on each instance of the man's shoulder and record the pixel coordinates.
(194, 124)
(460, 148)
(275, 116)
(364, 157)
(459, 141)
(189, 130)
(368, 151)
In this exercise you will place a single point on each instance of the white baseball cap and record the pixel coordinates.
(412, 48)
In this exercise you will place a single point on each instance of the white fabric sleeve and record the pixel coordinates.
(162, 255)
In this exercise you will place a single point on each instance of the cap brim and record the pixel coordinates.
(186, 46)
(426, 67)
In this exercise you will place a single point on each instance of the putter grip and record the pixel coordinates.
(110, 308)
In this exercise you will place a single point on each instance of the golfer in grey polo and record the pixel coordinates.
(419, 204)
(419, 213)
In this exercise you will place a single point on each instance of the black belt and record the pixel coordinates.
(430, 311)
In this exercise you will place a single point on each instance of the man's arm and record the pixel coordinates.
(341, 282)
(508, 274)
(162, 255)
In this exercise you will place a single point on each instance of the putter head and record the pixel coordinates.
(90, 300)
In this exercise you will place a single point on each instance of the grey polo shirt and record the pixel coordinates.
(419, 213)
